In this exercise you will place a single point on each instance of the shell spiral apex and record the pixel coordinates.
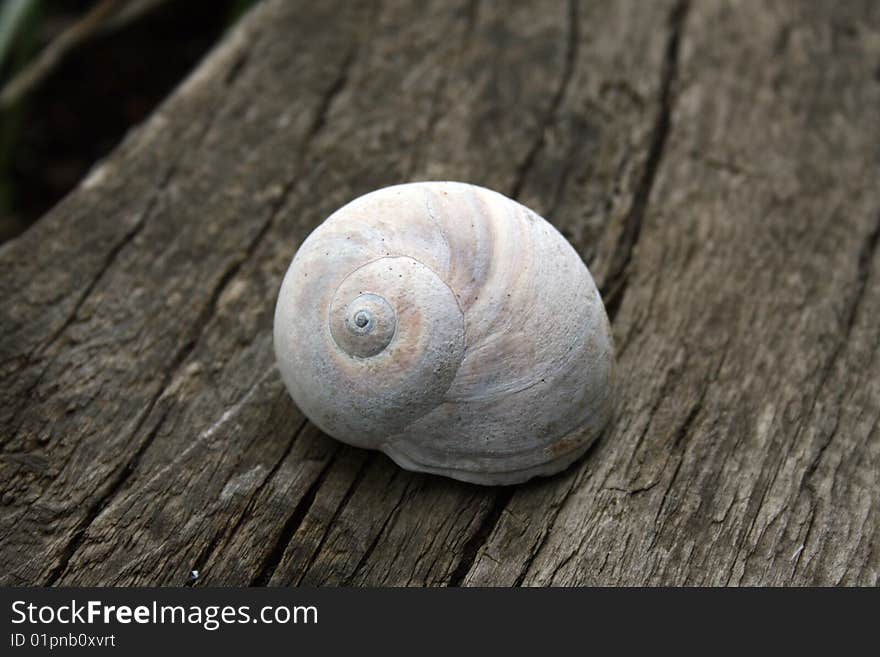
(450, 327)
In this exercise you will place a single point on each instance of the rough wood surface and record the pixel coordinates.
(716, 165)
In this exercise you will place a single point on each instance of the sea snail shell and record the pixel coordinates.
(450, 327)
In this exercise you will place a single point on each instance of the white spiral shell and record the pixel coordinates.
(450, 327)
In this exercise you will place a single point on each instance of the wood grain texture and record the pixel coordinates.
(715, 163)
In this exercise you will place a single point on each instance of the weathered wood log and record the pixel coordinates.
(715, 164)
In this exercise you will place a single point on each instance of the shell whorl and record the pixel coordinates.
(364, 326)
(450, 327)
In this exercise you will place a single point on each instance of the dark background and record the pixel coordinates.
(110, 82)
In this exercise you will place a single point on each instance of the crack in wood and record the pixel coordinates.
(116, 484)
(208, 553)
(479, 539)
(274, 556)
(542, 541)
(358, 478)
(578, 481)
(365, 557)
(617, 280)
(436, 112)
(571, 51)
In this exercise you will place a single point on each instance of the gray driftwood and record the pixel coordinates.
(718, 167)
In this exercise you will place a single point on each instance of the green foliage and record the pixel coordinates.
(20, 21)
